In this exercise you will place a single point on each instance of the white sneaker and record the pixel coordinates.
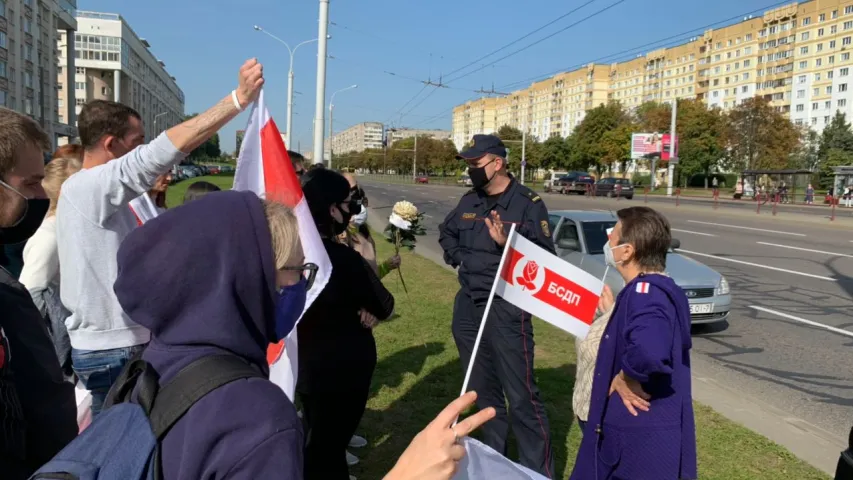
(357, 442)
(352, 459)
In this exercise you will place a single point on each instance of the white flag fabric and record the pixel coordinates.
(482, 462)
(547, 286)
(144, 209)
(264, 167)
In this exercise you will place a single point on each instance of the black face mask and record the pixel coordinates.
(28, 224)
(479, 179)
(340, 227)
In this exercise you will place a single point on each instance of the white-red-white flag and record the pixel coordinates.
(264, 167)
(547, 286)
(144, 209)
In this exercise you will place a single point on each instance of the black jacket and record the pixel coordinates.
(336, 353)
(38, 410)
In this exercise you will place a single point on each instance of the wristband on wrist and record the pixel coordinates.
(236, 101)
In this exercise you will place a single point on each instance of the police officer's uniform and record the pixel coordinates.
(504, 363)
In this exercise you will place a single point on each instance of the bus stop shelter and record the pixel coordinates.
(770, 181)
(843, 176)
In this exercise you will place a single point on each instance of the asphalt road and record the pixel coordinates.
(786, 341)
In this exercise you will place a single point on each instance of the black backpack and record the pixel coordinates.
(124, 441)
(844, 470)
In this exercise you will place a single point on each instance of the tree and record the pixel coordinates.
(653, 117)
(758, 137)
(700, 133)
(586, 141)
(507, 133)
(554, 154)
(836, 136)
(807, 156)
(616, 147)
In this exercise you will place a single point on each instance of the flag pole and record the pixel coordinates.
(486, 312)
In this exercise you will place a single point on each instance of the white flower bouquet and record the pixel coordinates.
(404, 225)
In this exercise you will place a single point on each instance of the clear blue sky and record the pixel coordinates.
(204, 43)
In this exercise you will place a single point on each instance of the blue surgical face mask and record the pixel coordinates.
(608, 254)
(289, 303)
(360, 218)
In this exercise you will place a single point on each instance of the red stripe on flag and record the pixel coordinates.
(567, 296)
(513, 257)
(274, 351)
(280, 181)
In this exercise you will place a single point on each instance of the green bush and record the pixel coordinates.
(641, 179)
(724, 180)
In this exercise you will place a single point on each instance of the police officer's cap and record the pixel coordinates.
(482, 146)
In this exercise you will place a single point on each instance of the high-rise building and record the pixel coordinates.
(394, 134)
(357, 138)
(28, 59)
(111, 62)
(796, 56)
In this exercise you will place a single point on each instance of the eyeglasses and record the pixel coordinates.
(308, 271)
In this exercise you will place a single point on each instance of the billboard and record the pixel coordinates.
(648, 143)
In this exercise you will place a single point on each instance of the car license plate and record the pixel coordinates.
(697, 308)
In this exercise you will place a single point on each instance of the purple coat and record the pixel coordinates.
(201, 277)
(649, 338)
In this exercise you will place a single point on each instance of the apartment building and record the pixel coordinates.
(796, 56)
(111, 62)
(394, 134)
(28, 59)
(357, 138)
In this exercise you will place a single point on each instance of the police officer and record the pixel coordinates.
(473, 237)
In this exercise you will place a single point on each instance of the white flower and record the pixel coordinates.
(407, 210)
(399, 222)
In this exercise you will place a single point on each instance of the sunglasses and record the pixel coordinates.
(308, 271)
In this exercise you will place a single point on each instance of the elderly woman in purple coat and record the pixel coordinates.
(640, 424)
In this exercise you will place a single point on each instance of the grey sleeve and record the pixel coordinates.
(99, 192)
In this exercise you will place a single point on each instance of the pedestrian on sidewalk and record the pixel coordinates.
(473, 237)
(809, 195)
(641, 423)
(94, 217)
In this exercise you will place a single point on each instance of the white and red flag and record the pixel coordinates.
(264, 167)
(547, 286)
(143, 208)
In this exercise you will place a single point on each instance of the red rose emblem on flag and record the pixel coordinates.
(528, 276)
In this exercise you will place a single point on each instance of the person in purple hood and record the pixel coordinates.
(640, 424)
(222, 274)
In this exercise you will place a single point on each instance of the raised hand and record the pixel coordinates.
(249, 82)
(496, 228)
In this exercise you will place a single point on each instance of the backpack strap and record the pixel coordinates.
(191, 384)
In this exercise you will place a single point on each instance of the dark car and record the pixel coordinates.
(615, 187)
(574, 182)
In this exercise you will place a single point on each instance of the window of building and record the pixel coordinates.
(842, 103)
(821, 17)
(28, 26)
(3, 69)
(819, 47)
(835, 14)
(801, 94)
(28, 79)
(848, 10)
(746, 76)
(830, 74)
(80, 101)
(60, 103)
(80, 70)
(804, 50)
(842, 87)
(105, 91)
(801, 108)
(818, 62)
(801, 79)
(815, 92)
(80, 85)
(845, 57)
(744, 89)
(3, 39)
(804, 36)
(804, 64)
(819, 32)
(827, 104)
(817, 77)
(807, 21)
(829, 89)
(848, 24)
(28, 106)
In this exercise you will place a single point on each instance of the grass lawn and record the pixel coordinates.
(418, 373)
(175, 194)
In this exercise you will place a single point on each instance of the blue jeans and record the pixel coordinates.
(99, 369)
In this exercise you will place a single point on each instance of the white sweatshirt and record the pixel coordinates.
(93, 218)
(41, 261)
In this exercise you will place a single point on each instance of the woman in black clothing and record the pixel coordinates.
(337, 353)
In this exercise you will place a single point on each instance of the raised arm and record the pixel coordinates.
(189, 135)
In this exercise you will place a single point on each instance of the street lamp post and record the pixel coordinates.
(331, 119)
(320, 100)
(289, 79)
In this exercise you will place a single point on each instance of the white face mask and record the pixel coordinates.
(608, 254)
(360, 218)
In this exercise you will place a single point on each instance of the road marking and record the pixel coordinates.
(749, 228)
(692, 232)
(819, 277)
(805, 249)
(803, 320)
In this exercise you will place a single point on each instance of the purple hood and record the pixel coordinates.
(201, 278)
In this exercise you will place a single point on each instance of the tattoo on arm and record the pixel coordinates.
(190, 134)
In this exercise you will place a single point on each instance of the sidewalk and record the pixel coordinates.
(807, 442)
